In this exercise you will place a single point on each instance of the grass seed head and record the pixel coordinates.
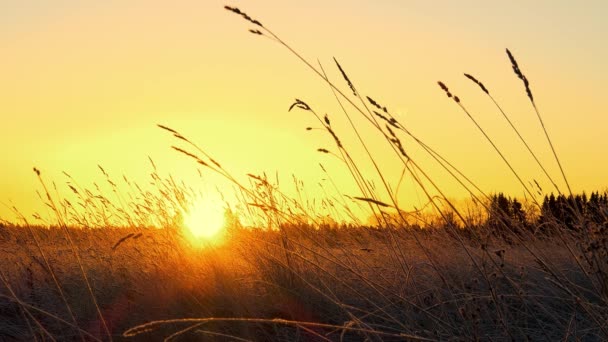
(520, 75)
(346, 78)
(444, 88)
(299, 104)
(244, 15)
(485, 90)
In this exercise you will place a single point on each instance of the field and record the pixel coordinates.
(348, 283)
(124, 265)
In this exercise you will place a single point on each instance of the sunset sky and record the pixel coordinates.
(84, 83)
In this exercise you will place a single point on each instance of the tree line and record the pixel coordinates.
(572, 212)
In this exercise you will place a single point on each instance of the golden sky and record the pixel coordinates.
(85, 82)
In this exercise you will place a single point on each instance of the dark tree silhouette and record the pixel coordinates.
(506, 214)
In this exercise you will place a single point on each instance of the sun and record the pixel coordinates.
(205, 220)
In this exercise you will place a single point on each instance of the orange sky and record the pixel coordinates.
(84, 83)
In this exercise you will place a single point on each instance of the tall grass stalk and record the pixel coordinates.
(487, 92)
(520, 75)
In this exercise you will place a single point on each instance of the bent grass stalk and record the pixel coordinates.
(151, 326)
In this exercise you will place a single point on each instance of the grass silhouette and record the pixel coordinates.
(122, 266)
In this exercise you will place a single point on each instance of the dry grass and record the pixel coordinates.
(121, 267)
(341, 282)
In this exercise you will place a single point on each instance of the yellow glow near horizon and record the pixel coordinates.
(85, 84)
(205, 220)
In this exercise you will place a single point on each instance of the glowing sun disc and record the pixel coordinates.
(205, 219)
